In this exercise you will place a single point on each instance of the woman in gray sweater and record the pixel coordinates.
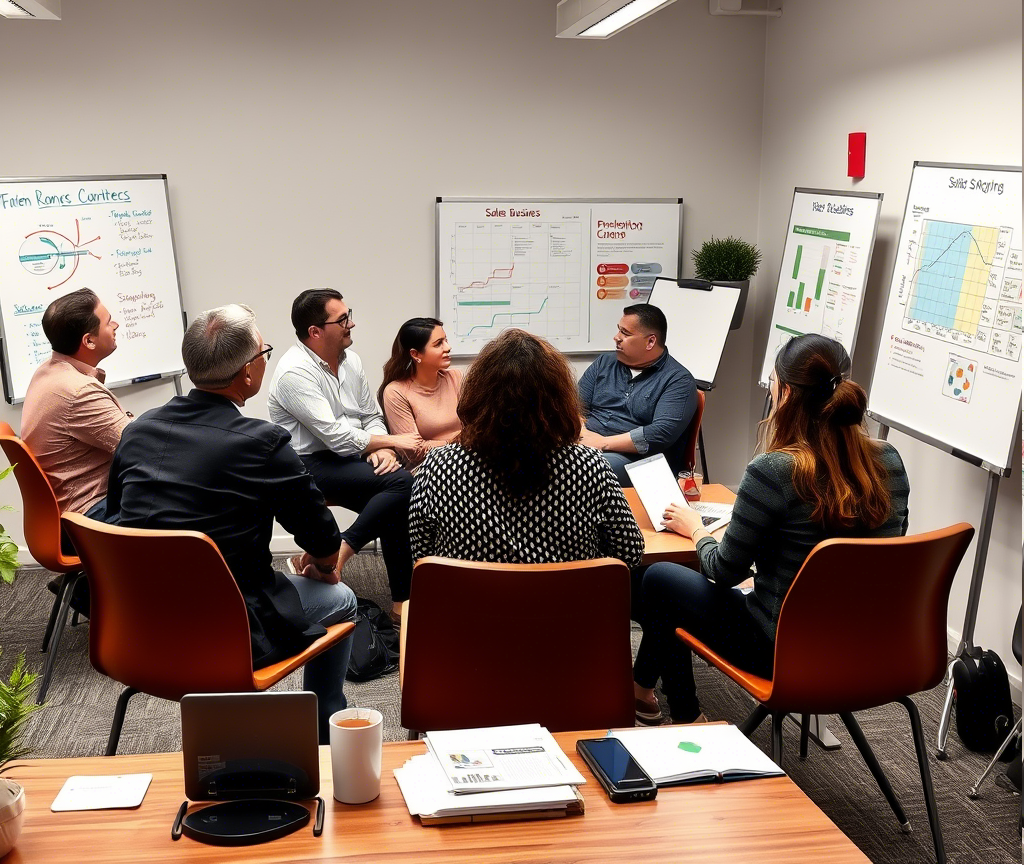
(820, 477)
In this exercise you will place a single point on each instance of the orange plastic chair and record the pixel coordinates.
(167, 617)
(500, 644)
(863, 624)
(42, 534)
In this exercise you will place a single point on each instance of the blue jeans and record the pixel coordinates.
(618, 463)
(678, 597)
(325, 674)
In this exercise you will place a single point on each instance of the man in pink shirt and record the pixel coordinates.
(71, 421)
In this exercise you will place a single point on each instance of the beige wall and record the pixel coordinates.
(305, 142)
(937, 81)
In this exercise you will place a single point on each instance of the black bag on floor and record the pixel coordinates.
(374, 644)
(984, 711)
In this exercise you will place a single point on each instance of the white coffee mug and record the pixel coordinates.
(355, 755)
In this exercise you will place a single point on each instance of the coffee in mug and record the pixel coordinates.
(353, 723)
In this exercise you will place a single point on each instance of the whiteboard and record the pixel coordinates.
(948, 364)
(698, 325)
(561, 269)
(109, 234)
(824, 270)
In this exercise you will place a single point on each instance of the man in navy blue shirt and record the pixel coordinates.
(637, 400)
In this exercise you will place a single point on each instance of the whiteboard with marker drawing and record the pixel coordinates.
(109, 234)
(824, 270)
(562, 269)
(948, 364)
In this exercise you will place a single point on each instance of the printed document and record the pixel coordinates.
(501, 759)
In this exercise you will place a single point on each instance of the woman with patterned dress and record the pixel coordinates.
(515, 486)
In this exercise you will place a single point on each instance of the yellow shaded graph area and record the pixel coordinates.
(975, 280)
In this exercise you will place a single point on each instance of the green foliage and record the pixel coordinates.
(728, 258)
(15, 708)
(8, 549)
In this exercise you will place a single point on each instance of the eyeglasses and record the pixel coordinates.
(266, 352)
(341, 320)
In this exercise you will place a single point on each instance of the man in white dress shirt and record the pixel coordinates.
(320, 395)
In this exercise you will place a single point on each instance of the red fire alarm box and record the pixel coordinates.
(855, 156)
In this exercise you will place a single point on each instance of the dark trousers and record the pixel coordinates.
(678, 597)
(382, 503)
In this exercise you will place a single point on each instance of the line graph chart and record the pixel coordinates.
(517, 274)
(951, 274)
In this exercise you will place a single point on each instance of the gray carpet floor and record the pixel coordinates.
(76, 718)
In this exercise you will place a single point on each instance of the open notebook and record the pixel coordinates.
(690, 754)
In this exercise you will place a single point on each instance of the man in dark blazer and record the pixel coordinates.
(197, 463)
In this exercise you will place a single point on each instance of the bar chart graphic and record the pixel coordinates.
(813, 260)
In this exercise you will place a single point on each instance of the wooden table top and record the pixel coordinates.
(666, 546)
(763, 820)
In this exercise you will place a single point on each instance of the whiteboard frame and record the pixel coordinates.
(169, 374)
(1006, 470)
(867, 268)
(441, 199)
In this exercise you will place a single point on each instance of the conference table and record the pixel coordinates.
(666, 546)
(762, 821)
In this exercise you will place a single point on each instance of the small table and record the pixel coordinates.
(666, 546)
(762, 820)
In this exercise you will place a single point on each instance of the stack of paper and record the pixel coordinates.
(696, 753)
(482, 774)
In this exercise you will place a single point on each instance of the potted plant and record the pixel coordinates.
(15, 708)
(728, 262)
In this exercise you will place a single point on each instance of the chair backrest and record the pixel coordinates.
(683, 454)
(498, 644)
(166, 617)
(39, 504)
(864, 621)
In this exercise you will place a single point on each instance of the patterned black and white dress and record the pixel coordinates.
(460, 510)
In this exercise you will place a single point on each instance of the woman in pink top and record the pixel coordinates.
(420, 392)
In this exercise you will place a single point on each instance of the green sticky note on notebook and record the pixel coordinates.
(689, 747)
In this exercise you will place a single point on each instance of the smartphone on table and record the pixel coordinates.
(616, 769)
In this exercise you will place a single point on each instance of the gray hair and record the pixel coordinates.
(218, 344)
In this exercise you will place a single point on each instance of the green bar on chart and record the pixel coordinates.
(789, 303)
(821, 279)
(796, 264)
(800, 297)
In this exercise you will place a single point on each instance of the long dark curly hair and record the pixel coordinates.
(519, 404)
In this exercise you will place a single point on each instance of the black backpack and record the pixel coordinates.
(984, 711)
(374, 644)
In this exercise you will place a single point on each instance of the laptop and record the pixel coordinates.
(656, 486)
(250, 745)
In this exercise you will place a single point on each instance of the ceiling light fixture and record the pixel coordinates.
(599, 19)
(39, 9)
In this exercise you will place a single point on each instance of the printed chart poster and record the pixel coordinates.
(824, 269)
(562, 270)
(948, 365)
(111, 235)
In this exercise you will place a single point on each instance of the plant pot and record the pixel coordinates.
(744, 287)
(12, 814)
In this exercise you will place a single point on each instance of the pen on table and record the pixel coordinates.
(176, 826)
(318, 824)
(138, 379)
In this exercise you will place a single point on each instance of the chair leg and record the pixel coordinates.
(58, 632)
(805, 732)
(778, 718)
(876, 769)
(753, 721)
(62, 589)
(973, 793)
(926, 778)
(119, 711)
